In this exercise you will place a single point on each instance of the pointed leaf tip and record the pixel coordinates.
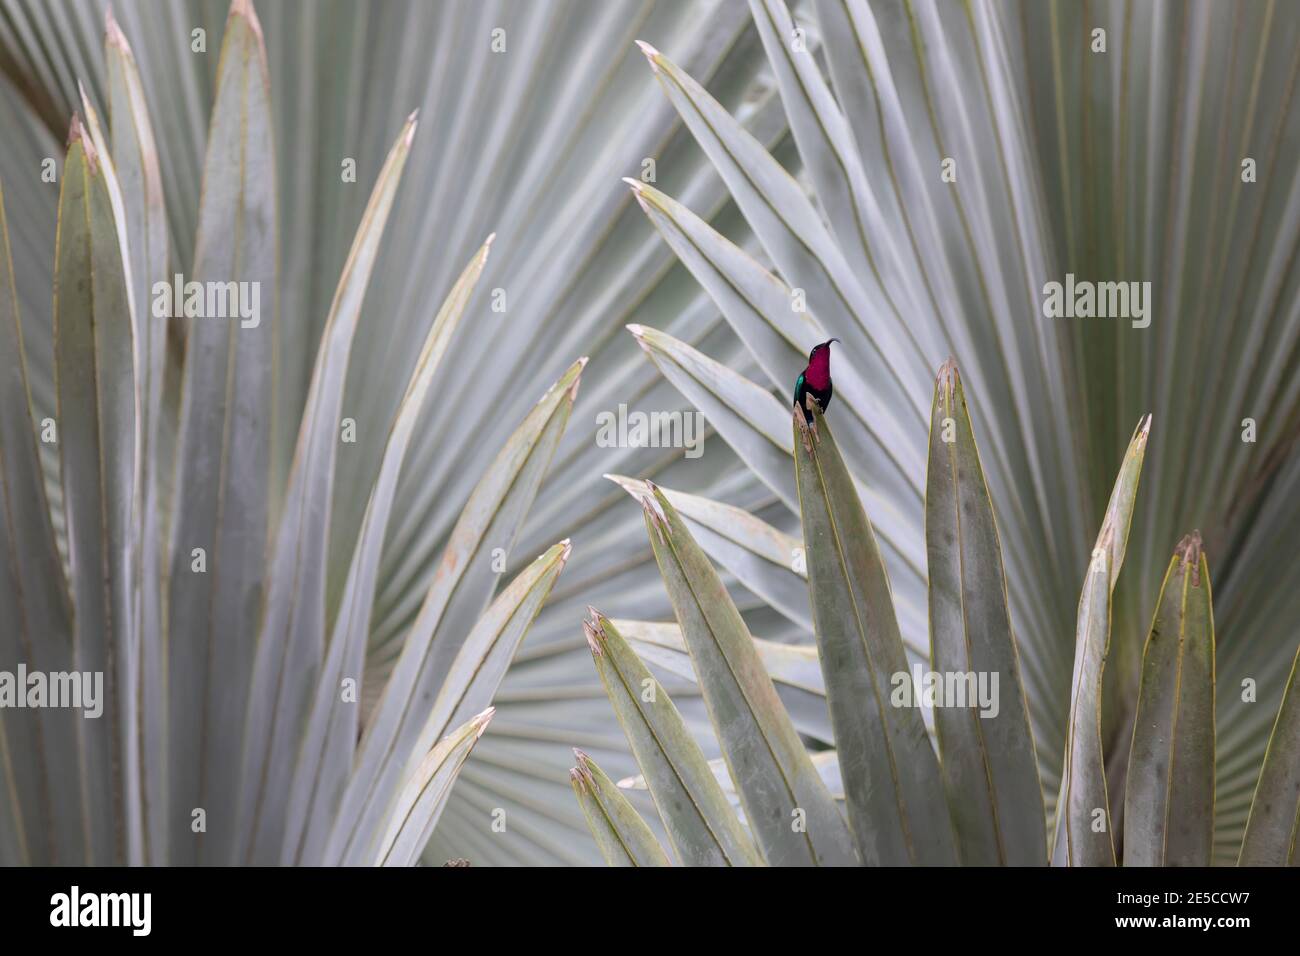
(578, 368)
(652, 505)
(244, 9)
(481, 721)
(594, 630)
(583, 769)
(650, 52)
(948, 375)
(1190, 549)
(593, 642)
(113, 33)
(77, 134)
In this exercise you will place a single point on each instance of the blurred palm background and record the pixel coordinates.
(1122, 165)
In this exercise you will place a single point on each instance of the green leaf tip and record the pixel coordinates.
(577, 368)
(568, 382)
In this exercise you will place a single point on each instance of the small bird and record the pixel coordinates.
(815, 380)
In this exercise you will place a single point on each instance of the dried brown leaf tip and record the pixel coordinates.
(582, 771)
(802, 426)
(1140, 434)
(481, 721)
(594, 629)
(654, 515)
(1190, 549)
(244, 9)
(77, 134)
(948, 378)
(113, 33)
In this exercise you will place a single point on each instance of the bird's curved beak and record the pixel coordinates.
(832, 340)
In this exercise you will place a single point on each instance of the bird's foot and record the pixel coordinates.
(814, 407)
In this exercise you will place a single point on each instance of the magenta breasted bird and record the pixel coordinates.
(815, 380)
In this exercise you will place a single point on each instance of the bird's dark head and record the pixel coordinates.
(818, 372)
(821, 352)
